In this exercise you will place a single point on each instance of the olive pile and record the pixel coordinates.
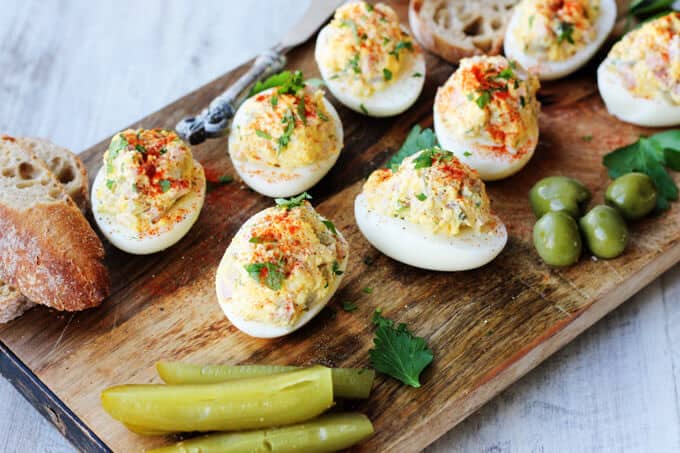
(560, 202)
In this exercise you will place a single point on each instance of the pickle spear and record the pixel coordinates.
(258, 402)
(348, 383)
(324, 434)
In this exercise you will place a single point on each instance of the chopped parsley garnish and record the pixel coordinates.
(140, 149)
(163, 150)
(225, 179)
(321, 116)
(262, 134)
(531, 21)
(650, 155)
(289, 203)
(565, 32)
(354, 64)
(387, 74)
(587, 138)
(288, 83)
(426, 157)
(506, 73)
(417, 74)
(399, 47)
(269, 274)
(165, 185)
(353, 26)
(363, 109)
(110, 183)
(417, 140)
(255, 240)
(483, 99)
(289, 120)
(385, 40)
(336, 268)
(330, 225)
(522, 101)
(274, 100)
(367, 290)
(349, 306)
(421, 196)
(302, 113)
(397, 352)
(467, 153)
(369, 7)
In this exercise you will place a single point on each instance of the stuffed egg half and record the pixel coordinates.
(368, 61)
(554, 38)
(280, 270)
(282, 144)
(149, 192)
(639, 80)
(432, 213)
(487, 115)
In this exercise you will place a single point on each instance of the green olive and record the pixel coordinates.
(557, 239)
(559, 194)
(633, 195)
(605, 231)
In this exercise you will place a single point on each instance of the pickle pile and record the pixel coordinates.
(264, 408)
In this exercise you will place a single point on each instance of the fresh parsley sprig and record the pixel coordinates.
(397, 352)
(417, 139)
(290, 203)
(269, 274)
(288, 83)
(650, 155)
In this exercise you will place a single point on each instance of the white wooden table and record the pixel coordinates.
(76, 71)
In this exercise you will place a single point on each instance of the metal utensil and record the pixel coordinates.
(213, 121)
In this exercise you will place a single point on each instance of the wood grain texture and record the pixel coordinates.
(209, 336)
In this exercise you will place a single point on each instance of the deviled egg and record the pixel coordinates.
(282, 144)
(368, 61)
(554, 38)
(639, 80)
(487, 115)
(280, 270)
(432, 213)
(149, 192)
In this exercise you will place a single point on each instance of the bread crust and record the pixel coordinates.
(12, 303)
(425, 32)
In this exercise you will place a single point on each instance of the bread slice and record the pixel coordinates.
(48, 250)
(455, 29)
(12, 303)
(65, 165)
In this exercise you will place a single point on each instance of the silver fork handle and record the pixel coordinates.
(214, 121)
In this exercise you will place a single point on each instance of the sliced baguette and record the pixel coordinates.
(48, 250)
(455, 29)
(12, 303)
(65, 165)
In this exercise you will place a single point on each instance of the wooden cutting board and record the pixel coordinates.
(487, 327)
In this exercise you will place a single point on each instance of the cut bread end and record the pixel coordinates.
(12, 303)
(457, 29)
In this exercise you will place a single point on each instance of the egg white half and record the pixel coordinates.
(398, 95)
(411, 244)
(284, 182)
(657, 112)
(490, 167)
(550, 70)
(258, 329)
(131, 241)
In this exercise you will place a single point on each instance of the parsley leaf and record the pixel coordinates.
(165, 185)
(387, 74)
(483, 99)
(225, 179)
(262, 134)
(302, 112)
(650, 155)
(289, 203)
(349, 306)
(399, 47)
(288, 83)
(397, 352)
(417, 140)
(330, 225)
(565, 32)
(269, 274)
(417, 74)
(421, 196)
(354, 64)
(426, 158)
(110, 183)
(336, 268)
(289, 120)
(367, 290)
(506, 74)
(363, 109)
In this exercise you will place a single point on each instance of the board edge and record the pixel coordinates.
(48, 404)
